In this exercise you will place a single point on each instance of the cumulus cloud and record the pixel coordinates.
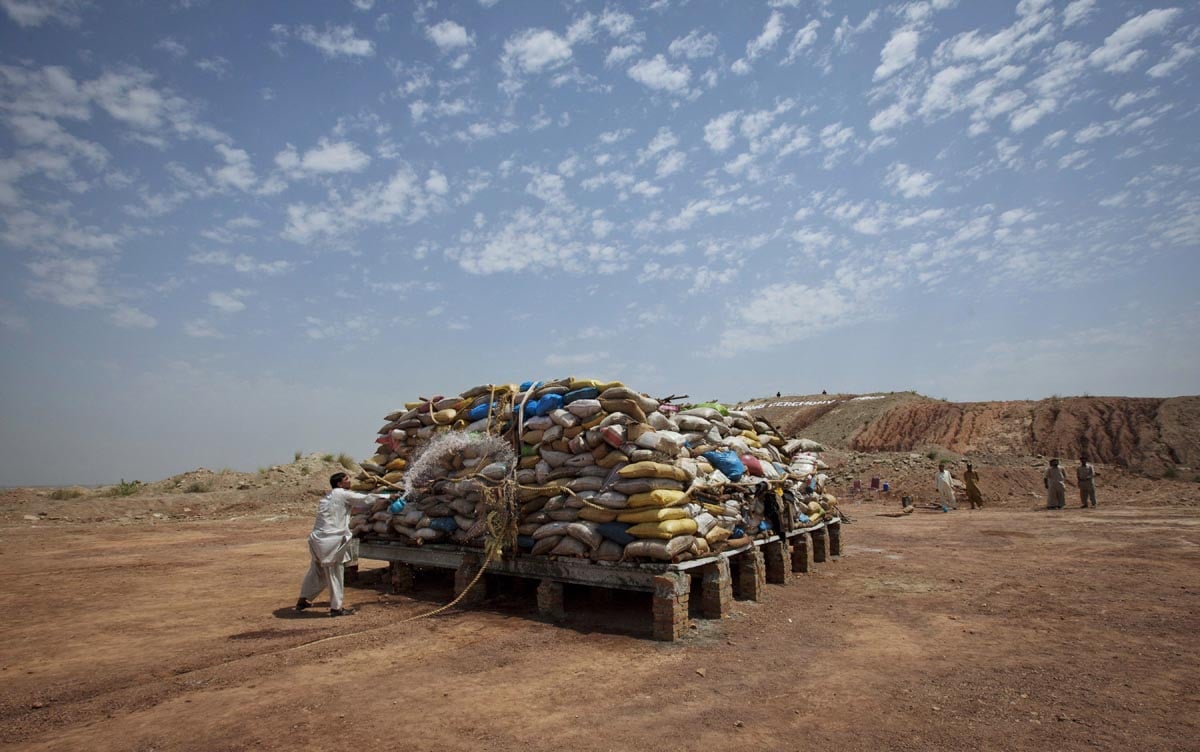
(899, 52)
(1180, 54)
(32, 13)
(402, 199)
(1078, 12)
(658, 74)
(718, 132)
(336, 41)
(771, 34)
(533, 51)
(70, 282)
(449, 36)
(228, 302)
(325, 158)
(1118, 53)
(908, 182)
(694, 45)
(805, 38)
(128, 317)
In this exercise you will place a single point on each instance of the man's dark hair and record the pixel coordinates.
(336, 479)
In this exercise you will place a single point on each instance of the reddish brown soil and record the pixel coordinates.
(1150, 435)
(1007, 628)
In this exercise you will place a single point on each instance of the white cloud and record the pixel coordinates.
(620, 54)
(1117, 54)
(228, 302)
(533, 51)
(835, 135)
(1180, 54)
(336, 41)
(449, 36)
(694, 45)
(805, 38)
(656, 73)
(27, 13)
(910, 183)
(241, 263)
(323, 159)
(129, 317)
(237, 171)
(400, 199)
(764, 42)
(1027, 117)
(201, 329)
(890, 117)
(670, 164)
(218, 66)
(172, 47)
(70, 282)
(718, 132)
(1078, 12)
(899, 52)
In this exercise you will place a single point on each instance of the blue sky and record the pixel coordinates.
(236, 230)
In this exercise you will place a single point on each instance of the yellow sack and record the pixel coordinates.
(663, 530)
(652, 470)
(583, 383)
(653, 514)
(393, 477)
(658, 498)
(397, 464)
(717, 534)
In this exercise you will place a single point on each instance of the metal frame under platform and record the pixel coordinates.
(749, 567)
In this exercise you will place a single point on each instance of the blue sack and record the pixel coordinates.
(525, 541)
(587, 392)
(479, 412)
(549, 403)
(728, 463)
(396, 507)
(738, 532)
(615, 532)
(530, 408)
(444, 524)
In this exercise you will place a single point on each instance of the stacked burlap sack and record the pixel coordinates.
(599, 471)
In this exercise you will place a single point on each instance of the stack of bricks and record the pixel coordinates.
(670, 606)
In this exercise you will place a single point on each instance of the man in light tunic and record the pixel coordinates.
(945, 488)
(1055, 481)
(329, 546)
(1085, 476)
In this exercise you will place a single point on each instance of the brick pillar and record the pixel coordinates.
(670, 605)
(751, 575)
(550, 600)
(818, 545)
(462, 578)
(716, 589)
(401, 577)
(801, 553)
(835, 539)
(775, 555)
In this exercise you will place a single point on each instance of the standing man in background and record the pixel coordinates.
(1085, 475)
(945, 488)
(1055, 481)
(971, 478)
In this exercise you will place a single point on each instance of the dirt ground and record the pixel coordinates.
(1007, 628)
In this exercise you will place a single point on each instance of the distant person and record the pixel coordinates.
(824, 392)
(329, 546)
(778, 394)
(945, 488)
(1055, 481)
(971, 478)
(1085, 476)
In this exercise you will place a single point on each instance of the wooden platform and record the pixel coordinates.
(741, 572)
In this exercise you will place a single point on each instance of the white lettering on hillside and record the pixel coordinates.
(811, 403)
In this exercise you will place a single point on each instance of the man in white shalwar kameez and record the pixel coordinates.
(945, 488)
(329, 546)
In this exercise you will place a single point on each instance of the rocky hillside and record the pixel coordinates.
(1151, 435)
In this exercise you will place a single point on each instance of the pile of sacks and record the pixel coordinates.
(584, 469)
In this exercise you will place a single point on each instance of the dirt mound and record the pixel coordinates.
(1151, 435)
